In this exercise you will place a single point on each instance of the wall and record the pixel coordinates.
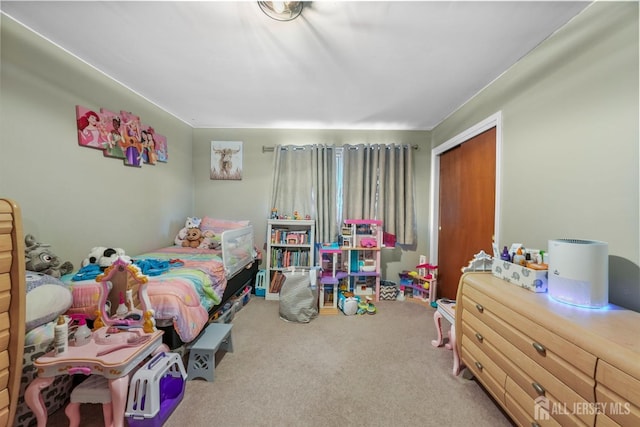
(72, 197)
(250, 198)
(570, 140)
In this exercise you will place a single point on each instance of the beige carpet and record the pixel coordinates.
(370, 370)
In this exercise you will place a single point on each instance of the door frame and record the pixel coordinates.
(494, 120)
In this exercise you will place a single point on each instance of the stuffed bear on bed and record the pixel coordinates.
(192, 222)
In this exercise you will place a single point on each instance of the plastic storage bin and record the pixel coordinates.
(155, 391)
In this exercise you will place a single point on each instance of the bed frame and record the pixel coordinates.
(240, 271)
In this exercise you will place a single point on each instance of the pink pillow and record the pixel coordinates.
(220, 225)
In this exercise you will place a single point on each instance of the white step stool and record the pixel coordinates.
(202, 353)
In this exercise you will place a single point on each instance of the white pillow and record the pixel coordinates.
(47, 298)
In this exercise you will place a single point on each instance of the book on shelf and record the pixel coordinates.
(276, 282)
(288, 237)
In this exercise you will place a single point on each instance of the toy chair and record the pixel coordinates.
(95, 389)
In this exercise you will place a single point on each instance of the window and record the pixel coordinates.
(354, 181)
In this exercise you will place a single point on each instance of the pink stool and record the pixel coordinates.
(94, 389)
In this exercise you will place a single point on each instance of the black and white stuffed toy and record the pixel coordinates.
(103, 257)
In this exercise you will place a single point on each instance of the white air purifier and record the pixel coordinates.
(579, 272)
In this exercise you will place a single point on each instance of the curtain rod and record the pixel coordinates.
(271, 148)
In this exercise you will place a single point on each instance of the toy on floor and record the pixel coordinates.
(155, 391)
(366, 306)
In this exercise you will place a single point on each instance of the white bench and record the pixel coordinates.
(202, 353)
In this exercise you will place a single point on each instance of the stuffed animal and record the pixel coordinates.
(207, 241)
(41, 259)
(193, 239)
(103, 257)
(192, 222)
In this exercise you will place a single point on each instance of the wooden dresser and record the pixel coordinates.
(549, 363)
(12, 308)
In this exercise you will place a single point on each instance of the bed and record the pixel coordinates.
(186, 286)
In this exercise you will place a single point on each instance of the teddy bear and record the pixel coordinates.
(192, 222)
(40, 259)
(193, 238)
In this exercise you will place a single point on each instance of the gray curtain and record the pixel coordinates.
(378, 184)
(304, 180)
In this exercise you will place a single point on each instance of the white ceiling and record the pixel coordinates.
(340, 65)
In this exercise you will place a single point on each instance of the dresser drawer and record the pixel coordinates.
(539, 344)
(603, 421)
(522, 407)
(618, 395)
(484, 369)
(563, 413)
(619, 382)
(532, 378)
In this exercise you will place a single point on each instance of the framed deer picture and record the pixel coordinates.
(226, 160)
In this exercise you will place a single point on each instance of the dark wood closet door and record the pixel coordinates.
(467, 207)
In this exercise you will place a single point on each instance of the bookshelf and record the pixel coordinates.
(290, 243)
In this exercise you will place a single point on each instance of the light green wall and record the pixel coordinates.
(570, 140)
(250, 198)
(570, 155)
(72, 197)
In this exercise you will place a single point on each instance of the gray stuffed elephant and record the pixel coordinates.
(41, 259)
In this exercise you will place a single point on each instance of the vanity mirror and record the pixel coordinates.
(124, 302)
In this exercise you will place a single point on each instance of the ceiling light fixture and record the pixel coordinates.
(282, 10)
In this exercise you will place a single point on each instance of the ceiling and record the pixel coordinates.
(340, 65)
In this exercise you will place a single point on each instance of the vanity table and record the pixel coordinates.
(115, 366)
(123, 341)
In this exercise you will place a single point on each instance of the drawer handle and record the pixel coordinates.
(539, 348)
(538, 388)
(480, 308)
(478, 365)
(535, 424)
(479, 337)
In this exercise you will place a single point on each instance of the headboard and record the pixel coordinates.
(12, 308)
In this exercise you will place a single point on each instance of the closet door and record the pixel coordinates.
(467, 207)
(12, 308)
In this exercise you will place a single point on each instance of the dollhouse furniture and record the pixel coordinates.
(330, 277)
(546, 362)
(95, 389)
(422, 284)
(361, 244)
(447, 309)
(202, 354)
